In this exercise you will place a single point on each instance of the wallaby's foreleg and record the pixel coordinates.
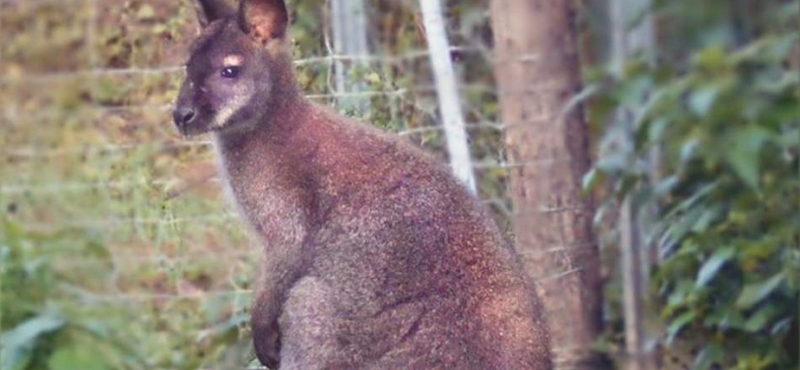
(276, 276)
(264, 313)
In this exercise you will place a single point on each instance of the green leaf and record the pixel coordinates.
(711, 354)
(72, 358)
(683, 225)
(18, 343)
(712, 57)
(601, 212)
(635, 89)
(657, 129)
(752, 294)
(679, 323)
(744, 154)
(724, 317)
(701, 100)
(706, 218)
(760, 319)
(689, 149)
(579, 98)
(713, 265)
(590, 180)
(666, 185)
(781, 327)
(790, 138)
(678, 296)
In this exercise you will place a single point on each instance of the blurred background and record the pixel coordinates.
(643, 155)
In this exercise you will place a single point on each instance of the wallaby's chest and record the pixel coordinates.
(260, 188)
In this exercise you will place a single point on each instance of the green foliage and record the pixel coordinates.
(722, 113)
(44, 325)
(102, 268)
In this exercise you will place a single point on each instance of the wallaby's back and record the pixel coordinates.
(420, 276)
(375, 257)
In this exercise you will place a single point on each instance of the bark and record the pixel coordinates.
(537, 70)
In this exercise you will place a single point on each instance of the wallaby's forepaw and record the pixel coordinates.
(268, 347)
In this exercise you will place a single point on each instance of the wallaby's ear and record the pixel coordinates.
(211, 10)
(264, 20)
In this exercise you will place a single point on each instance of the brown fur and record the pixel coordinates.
(375, 257)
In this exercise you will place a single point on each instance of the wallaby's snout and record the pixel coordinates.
(183, 116)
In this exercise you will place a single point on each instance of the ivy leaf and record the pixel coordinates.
(680, 293)
(579, 98)
(744, 153)
(18, 343)
(711, 354)
(725, 317)
(665, 186)
(679, 323)
(713, 265)
(701, 100)
(71, 358)
(760, 319)
(657, 129)
(613, 163)
(781, 327)
(590, 180)
(705, 220)
(711, 58)
(689, 150)
(755, 293)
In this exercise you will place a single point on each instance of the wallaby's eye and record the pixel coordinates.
(230, 72)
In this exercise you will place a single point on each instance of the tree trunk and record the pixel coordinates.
(537, 71)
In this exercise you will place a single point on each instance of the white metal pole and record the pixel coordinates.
(634, 265)
(349, 23)
(449, 100)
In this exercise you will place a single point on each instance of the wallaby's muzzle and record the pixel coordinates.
(183, 117)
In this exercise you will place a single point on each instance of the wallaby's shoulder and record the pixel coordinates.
(363, 151)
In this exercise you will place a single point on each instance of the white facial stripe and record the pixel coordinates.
(232, 60)
(225, 114)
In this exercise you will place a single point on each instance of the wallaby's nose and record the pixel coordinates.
(182, 116)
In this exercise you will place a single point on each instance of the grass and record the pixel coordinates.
(90, 156)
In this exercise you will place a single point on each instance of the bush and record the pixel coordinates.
(723, 114)
(46, 324)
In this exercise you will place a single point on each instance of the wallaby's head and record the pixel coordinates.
(234, 66)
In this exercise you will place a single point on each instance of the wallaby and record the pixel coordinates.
(374, 255)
